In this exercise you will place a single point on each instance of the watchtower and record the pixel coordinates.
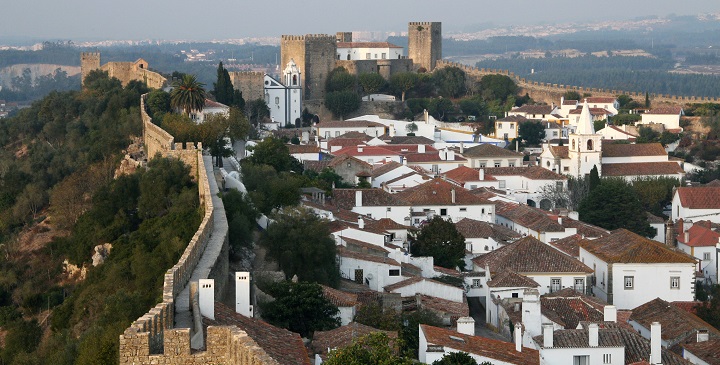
(425, 44)
(88, 61)
(314, 55)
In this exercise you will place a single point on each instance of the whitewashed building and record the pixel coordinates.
(696, 203)
(352, 51)
(284, 99)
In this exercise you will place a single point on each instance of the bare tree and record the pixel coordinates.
(570, 198)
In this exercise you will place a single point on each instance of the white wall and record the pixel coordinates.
(432, 289)
(392, 174)
(564, 356)
(476, 162)
(671, 121)
(692, 358)
(442, 166)
(361, 53)
(379, 271)
(360, 235)
(679, 211)
(652, 281)
(634, 159)
(600, 289)
(709, 267)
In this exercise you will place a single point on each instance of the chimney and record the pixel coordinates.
(207, 297)
(361, 223)
(518, 337)
(681, 225)
(687, 236)
(443, 155)
(359, 148)
(426, 116)
(358, 198)
(560, 221)
(462, 147)
(421, 148)
(531, 316)
(482, 174)
(451, 155)
(610, 313)
(452, 195)
(466, 326)
(242, 294)
(655, 344)
(547, 335)
(593, 334)
(703, 335)
(670, 233)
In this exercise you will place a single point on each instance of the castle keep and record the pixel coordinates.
(123, 71)
(314, 55)
(425, 44)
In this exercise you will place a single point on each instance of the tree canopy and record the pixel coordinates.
(274, 152)
(456, 358)
(300, 242)
(371, 82)
(372, 349)
(532, 132)
(615, 204)
(188, 95)
(224, 91)
(299, 307)
(440, 239)
(450, 82)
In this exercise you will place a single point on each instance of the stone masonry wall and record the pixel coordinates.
(425, 44)
(151, 339)
(550, 93)
(250, 83)
(123, 71)
(314, 54)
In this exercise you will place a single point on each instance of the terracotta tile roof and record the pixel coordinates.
(385, 168)
(343, 336)
(348, 124)
(666, 110)
(486, 347)
(714, 183)
(637, 348)
(623, 246)
(699, 236)
(652, 218)
(593, 111)
(570, 102)
(345, 142)
(404, 176)
(408, 148)
(568, 308)
(529, 217)
(353, 135)
(345, 198)
(464, 174)
(403, 283)
(530, 172)
(316, 166)
(569, 245)
(214, 104)
(533, 109)
(366, 45)
(341, 158)
(339, 298)
(471, 228)
(364, 247)
(642, 168)
(560, 151)
(446, 271)
(629, 150)
(344, 252)
(584, 229)
(439, 192)
(614, 127)
(282, 345)
(676, 323)
(699, 197)
(454, 309)
(512, 118)
(411, 140)
(303, 148)
(431, 157)
(490, 150)
(366, 151)
(600, 99)
(708, 351)
(511, 279)
(530, 255)
(690, 307)
(385, 224)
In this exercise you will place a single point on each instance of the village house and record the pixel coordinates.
(526, 184)
(483, 237)
(471, 178)
(371, 154)
(488, 155)
(346, 303)
(533, 222)
(542, 112)
(210, 107)
(610, 104)
(630, 270)
(332, 129)
(305, 152)
(696, 203)
(444, 199)
(667, 115)
(507, 128)
(620, 133)
(352, 170)
(702, 242)
(352, 51)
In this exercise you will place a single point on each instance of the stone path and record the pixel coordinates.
(183, 316)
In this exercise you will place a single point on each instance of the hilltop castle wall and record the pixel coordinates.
(123, 71)
(315, 55)
(425, 44)
(250, 83)
(551, 93)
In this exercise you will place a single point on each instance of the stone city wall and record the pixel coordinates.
(123, 71)
(250, 83)
(551, 93)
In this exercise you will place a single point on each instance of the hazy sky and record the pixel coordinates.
(222, 19)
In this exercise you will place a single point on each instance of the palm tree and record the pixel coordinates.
(188, 94)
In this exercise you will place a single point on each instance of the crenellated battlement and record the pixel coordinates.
(422, 23)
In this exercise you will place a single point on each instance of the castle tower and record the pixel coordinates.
(425, 44)
(314, 56)
(89, 61)
(585, 146)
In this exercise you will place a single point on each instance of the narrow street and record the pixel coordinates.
(477, 311)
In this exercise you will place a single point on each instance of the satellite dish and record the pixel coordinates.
(370, 276)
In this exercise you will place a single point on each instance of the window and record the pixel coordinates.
(394, 272)
(555, 134)
(337, 133)
(706, 256)
(566, 168)
(573, 144)
(511, 164)
(499, 125)
(476, 283)
(435, 168)
(629, 282)
(590, 145)
(367, 56)
(497, 164)
(384, 55)
(371, 161)
(389, 209)
(555, 284)
(327, 135)
(580, 285)
(473, 187)
(512, 125)
(376, 56)
(463, 209)
(277, 100)
(482, 165)
(349, 165)
(674, 282)
(607, 358)
(515, 295)
(443, 212)
(501, 184)
(294, 79)
(581, 360)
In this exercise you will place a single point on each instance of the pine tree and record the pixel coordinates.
(223, 89)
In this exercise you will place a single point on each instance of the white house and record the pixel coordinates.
(488, 155)
(345, 302)
(507, 128)
(442, 198)
(435, 342)
(371, 154)
(471, 178)
(374, 271)
(630, 270)
(419, 285)
(533, 222)
(700, 241)
(438, 162)
(525, 183)
(351, 51)
(608, 103)
(284, 99)
(210, 107)
(405, 181)
(483, 237)
(617, 133)
(332, 129)
(696, 203)
(542, 112)
(305, 152)
(668, 115)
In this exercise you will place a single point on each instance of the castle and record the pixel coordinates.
(123, 71)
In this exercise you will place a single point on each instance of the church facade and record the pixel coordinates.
(284, 98)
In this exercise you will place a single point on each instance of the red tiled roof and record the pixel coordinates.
(282, 345)
(570, 102)
(344, 252)
(340, 158)
(529, 217)
(403, 283)
(471, 228)
(486, 347)
(569, 245)
(614, 127)
(690, 307)
(366, 151)
(431, 157)
(593, 111)
(568, 308)
(699, 197)
(623, 246)
(512, 118)
(214, 104)
(699, 236)
(490, 150)
(303, 148)
(454, 309)
(348, 124)
(366, 45)
(353, 135)
(411, 140)
(530, 255)
(629, 150)
(439, 192)
(464, 174)
(385, 168)
(708, 351)
(666, 110)
(385, 224)
(560, 151)
(339, 298)
(641, 168)
(511, 279)
(346, 142)
(408, 148)
(345, 198)
(530, 172)
(676, 323)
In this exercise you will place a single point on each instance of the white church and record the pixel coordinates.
(284, 99)
(612, 159)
